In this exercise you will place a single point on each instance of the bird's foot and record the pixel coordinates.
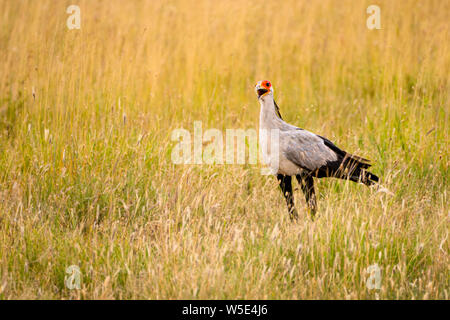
(293, 214)
(312, 212)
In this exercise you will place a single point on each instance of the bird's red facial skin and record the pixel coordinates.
(266, 84)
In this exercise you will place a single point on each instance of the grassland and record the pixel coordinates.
(86, 176)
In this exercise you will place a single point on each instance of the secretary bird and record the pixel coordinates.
(303, 154)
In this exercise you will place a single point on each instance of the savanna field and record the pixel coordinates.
(86, 176)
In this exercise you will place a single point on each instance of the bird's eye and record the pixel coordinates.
(268, 84)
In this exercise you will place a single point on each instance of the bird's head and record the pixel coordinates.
(263, 88)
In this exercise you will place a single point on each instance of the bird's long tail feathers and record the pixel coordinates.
(354, 168)
(366, 177)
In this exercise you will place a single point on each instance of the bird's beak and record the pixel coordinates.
(260, 90)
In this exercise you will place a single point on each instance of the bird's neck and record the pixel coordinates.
(268, 117)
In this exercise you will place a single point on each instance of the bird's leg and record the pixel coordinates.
(307, 184)
(286, 189)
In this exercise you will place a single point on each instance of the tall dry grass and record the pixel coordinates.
(85, 171)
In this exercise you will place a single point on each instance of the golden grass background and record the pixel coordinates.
(85, 171)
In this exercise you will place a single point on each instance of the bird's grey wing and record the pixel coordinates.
(306, 149)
